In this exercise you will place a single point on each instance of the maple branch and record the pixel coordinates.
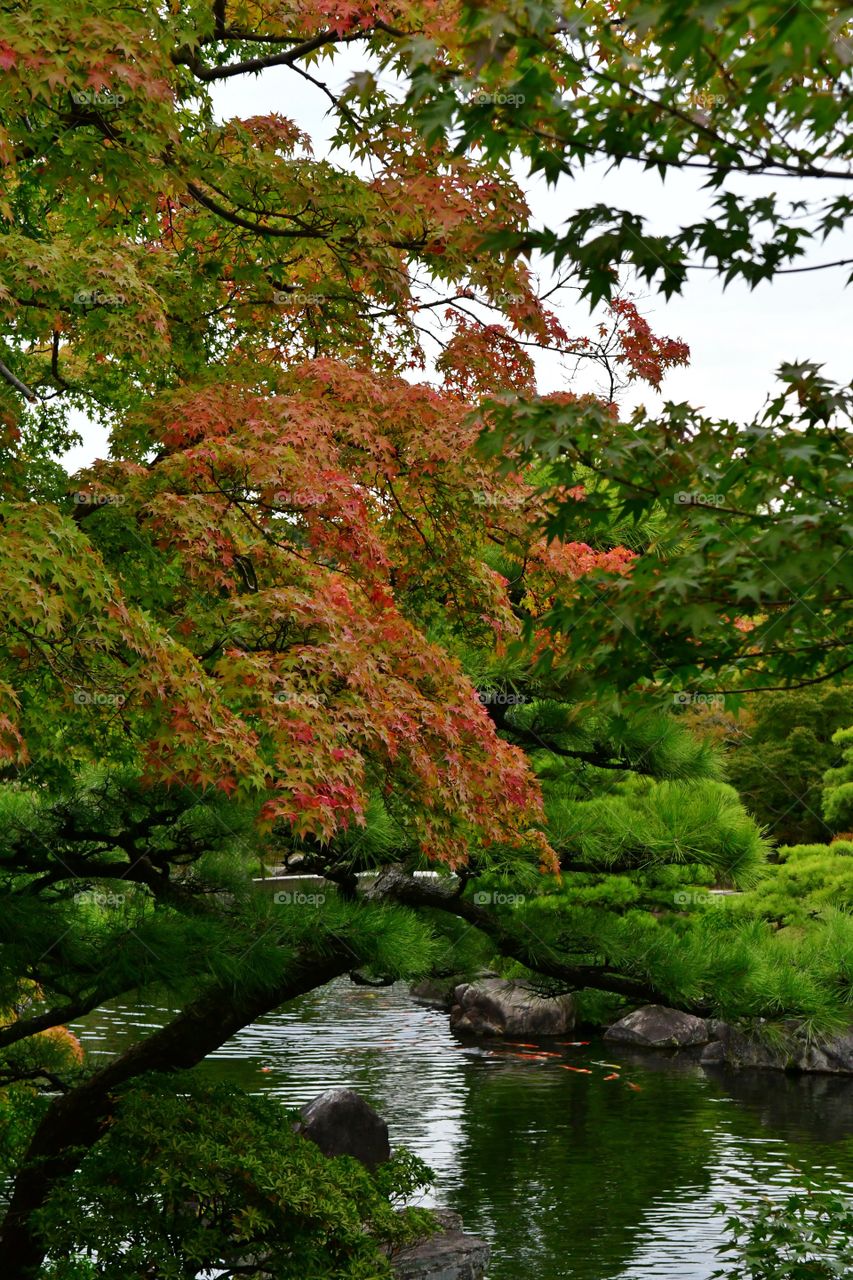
(600, 761)
(25, 391)
(779, 271)
(333, 97)
(764, 163)
(302, 233)
(208, 74)
(784, 688)
(54, 363)
(238, 221)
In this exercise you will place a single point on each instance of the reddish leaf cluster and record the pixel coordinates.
(646, 355)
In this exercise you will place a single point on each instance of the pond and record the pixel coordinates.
(571, 1176)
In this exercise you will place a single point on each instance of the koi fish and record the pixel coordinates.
(637, 1088)
(581, 1071)
(536, 1057)
(614, 1076)
(520, 1044)
(573, 1043)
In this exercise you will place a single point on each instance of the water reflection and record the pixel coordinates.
(571, 1176)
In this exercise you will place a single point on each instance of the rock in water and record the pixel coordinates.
(435, 993)
(793, 1052)
(341, 1123)
(448, 1255)
(656, 1027)
(496, 1007)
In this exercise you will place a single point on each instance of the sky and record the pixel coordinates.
(738, 337)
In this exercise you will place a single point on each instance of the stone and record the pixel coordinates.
(435, 993)
(497, 1007)
(833, 1056)
(713, 1054)
(448, 1255)
(341, 1123)
(438, 993)
(656, 1027)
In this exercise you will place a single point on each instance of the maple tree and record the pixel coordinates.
(756, 590)
(302, 612)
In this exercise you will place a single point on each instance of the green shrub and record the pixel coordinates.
(194, 1176)
(808, 1236)
(779, 768)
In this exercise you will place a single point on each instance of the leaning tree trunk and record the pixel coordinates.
(75, 1121)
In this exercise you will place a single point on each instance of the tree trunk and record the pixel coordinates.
(75, 1121)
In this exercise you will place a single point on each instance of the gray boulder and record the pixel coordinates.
(496, 1007)
(835, 1056)
(656, 1027)
(733, 1048)
(341, 1123)
(435, 993)
(447, 1255)
(439, 993)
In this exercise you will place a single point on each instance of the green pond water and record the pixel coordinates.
(570, 1176)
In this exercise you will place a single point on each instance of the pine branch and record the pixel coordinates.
(394, 884)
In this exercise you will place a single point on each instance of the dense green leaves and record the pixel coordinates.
(782, 744)
(194, 1176)
(758, 592)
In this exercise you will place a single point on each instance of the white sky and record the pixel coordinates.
(737, 337)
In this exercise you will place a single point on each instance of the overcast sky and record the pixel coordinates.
(737, 337)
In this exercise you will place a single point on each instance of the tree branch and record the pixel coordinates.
(209, 74)
(25, 391)
(441, 895)
(57, 1017)
(75, 1121)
